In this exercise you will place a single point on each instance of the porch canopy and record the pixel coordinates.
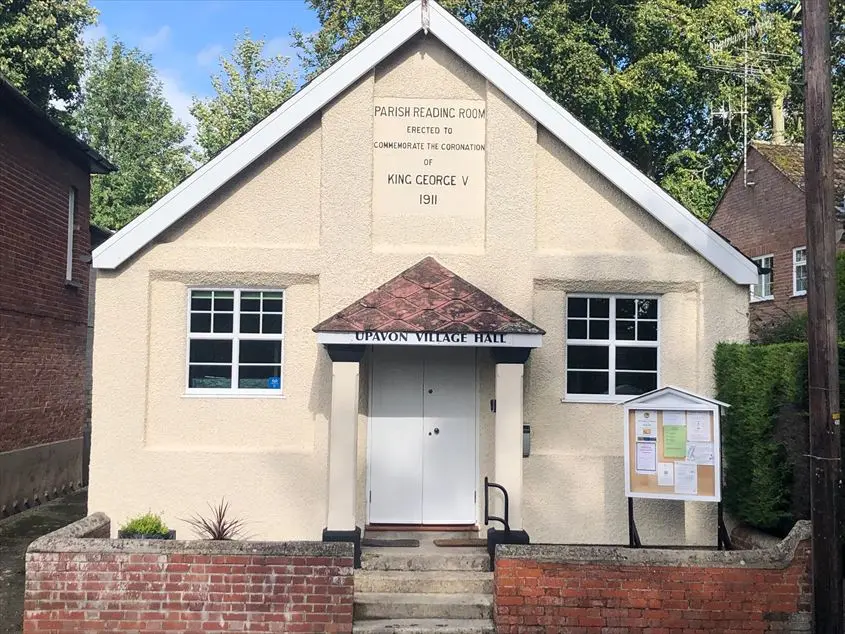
(429, 305)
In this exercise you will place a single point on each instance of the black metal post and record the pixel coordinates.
(633, 535)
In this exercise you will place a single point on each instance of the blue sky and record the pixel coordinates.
(186, 37)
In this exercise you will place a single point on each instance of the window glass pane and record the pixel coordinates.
(625, 308)
(272, 302)
(223, 322)
(625, 329)
(260, 351)
(647, 331)
(250, 323)
(251, 302)
(635, 382)
(586, 382)
(636, 358)
(577, 307)
(576, 328)
(200, 300)
(599, 329)
(599, 307)
(201, 322)
(224, 300)
(211, 351)
(800, 255)
(587, 357)
(801, 278)
(647, 308)
(259, 377)
(271, 324)
(210, 376)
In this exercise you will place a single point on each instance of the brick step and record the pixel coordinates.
(425, 626)
(424, 581)
(388, 605)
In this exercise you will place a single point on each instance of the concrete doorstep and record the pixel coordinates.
(424, 590)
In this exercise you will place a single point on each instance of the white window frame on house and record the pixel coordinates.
(71, 228)
(236, 337)
(759, 261)
(795, 264)
(611, 343)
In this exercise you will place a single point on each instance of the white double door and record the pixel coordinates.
(422, 437)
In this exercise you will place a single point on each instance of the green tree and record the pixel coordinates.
(41, 52)
(640, 73)
(250, 87)
(125, 116)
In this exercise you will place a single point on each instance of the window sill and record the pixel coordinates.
(800, 294)
(760, 300)
(213, 394)
(596, 399)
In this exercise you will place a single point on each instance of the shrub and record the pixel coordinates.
(218, 526)
(147, 524)
(759, 382)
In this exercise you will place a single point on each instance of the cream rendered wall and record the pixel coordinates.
(301, 219)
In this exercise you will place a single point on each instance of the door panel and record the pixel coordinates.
(449, 436)
(396, 430)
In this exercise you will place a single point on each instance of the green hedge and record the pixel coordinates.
(758, 382)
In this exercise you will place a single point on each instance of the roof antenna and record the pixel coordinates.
(424, 16)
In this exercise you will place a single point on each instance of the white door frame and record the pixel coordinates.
(477, 435)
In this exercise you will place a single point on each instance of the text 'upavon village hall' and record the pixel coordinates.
(349, 315)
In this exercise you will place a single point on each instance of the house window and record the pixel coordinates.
(611, 346)
(799, 271)
(71, 226)
(763, 288)
(235, 341)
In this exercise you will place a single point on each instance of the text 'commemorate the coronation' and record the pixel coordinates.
(428, 156)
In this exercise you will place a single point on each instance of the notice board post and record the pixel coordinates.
(673, 451)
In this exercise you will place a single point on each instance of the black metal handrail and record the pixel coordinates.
(487, 517)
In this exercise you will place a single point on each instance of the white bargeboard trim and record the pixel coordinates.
(331, 83)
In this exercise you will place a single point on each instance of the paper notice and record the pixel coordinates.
(700, 452)
(675, 441)
(686, 478)
(698, 427)
(646, 425)
(646, 457)
(674, 418)
(665, 474)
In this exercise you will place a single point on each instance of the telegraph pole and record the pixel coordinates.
(822, 333)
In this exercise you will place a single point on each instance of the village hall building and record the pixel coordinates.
(347, 317)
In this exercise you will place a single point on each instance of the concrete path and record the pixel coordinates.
(16, 532)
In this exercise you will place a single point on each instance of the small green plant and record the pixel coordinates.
(147, 524)
(218, 526)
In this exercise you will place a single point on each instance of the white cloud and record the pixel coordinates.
(94, 32)
(178, 98)
(156, 41)
(209, 55)
(280, 46)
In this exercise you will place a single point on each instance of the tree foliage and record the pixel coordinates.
(640, 73)
(41, 52)
(249, 88)
(125, 116)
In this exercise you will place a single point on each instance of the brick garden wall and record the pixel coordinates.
(614, 590)
(78, 584)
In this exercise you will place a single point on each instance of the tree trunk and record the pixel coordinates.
(778, 118)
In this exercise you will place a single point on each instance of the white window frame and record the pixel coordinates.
(71, 228)
(235, 336)
(758, 261)
(610, 343)
(795, 265)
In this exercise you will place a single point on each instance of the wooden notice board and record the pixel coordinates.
(672, 450)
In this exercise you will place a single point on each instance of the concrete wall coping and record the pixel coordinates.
(778, 556)
(71, 539)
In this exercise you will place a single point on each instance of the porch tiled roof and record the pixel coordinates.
(428, 297)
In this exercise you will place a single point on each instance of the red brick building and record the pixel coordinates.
(762, 214)
(44, 269)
